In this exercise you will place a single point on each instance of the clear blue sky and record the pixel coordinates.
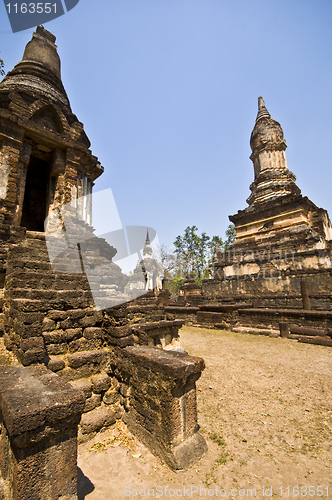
(167, 91)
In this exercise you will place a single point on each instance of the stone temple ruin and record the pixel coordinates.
(282, 234)
(148, 265)
(277, 273)
(121, 362)
(81, 348)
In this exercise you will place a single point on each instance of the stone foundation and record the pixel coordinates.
(38, 444)
(49, 315)
(49, 318)
(161, 403)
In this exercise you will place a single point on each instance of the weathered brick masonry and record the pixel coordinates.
(124, 362)
(38, 441)
(279, 268)
(282, 238)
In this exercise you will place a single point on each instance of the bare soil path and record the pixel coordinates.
(265, 409)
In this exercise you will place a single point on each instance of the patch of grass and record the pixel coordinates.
(307, 448)
(121, 438)
(210, 478)
(217, 438)
(221, 460)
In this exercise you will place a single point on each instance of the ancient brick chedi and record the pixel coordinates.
(45, 156)
(282, 240)
(122, 362)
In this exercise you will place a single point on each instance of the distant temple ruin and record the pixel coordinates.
(121, 362)
(153, 274)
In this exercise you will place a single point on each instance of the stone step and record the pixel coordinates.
(41, 254)
(41, 294)
(35, 246)
(159, 325)
(56, 299)
(17, 252)
(100, 246)
(28, 277)
(32, 243)
(46, 284)
(28, 305)
(316, 340)
(35, 235)
(28, 265)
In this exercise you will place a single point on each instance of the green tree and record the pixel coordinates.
(192, 256)
(175, 285)
(2, 65)
(212, 245)
(193, 251)
(230, 233)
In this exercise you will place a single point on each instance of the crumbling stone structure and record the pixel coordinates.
(125, 360)
(152, 272)
(191, 293)
(277, 273)
(282, 251)
(38, 441)
(45, 156)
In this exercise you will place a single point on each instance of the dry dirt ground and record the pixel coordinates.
(265, 409)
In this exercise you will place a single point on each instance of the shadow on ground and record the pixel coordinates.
(84, 485)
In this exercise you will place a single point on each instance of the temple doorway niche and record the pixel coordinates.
(35, 194)
(2, 279)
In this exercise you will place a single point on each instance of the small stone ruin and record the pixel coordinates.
(78, 367)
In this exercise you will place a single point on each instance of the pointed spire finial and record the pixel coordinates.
(262, 111)
(261, 103)
(147, 250)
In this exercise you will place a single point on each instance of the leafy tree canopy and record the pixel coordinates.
(2, 65)
(230, 237)
(196, 251)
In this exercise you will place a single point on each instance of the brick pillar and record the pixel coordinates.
(9, 166)
(305, 294)
(22, 168)
(38, 441)
(161, 402)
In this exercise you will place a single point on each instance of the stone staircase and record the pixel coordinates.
(32, 288)
(50, 318)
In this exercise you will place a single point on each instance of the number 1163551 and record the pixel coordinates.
(303, 491)
(31, 8)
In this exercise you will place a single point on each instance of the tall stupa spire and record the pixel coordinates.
(262, 111)
(272, 177)
(147, 250)
(46, 156)
(39, 71)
